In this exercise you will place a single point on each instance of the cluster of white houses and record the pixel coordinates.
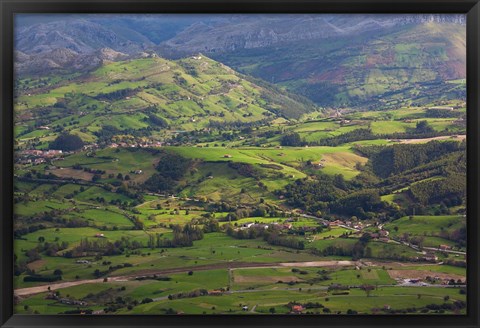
(136, 144)
(35, 157)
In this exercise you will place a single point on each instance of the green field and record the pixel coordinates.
(425, 225)
(186, 187)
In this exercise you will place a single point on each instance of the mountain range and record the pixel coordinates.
(335, 60)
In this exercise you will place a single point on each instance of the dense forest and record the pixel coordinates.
(171, 168)
(67, 142)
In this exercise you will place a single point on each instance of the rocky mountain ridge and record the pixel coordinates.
(268, 30)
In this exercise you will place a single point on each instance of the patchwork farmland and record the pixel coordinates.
(151, 185)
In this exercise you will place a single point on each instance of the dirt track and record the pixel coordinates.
(42, 289)
(410, 141)
(225, 265)
(318, 264)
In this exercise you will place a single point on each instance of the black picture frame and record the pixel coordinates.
(469, 7)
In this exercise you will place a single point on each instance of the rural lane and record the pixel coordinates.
(226, 265)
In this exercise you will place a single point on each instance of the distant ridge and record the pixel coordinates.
(336, 60)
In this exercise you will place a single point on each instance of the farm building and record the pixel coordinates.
(336, 223)
(430, 258)
(215, 292)
(297, 308)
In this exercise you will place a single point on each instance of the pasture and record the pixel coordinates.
(425, 225)
(262, 301)
(337, 160)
